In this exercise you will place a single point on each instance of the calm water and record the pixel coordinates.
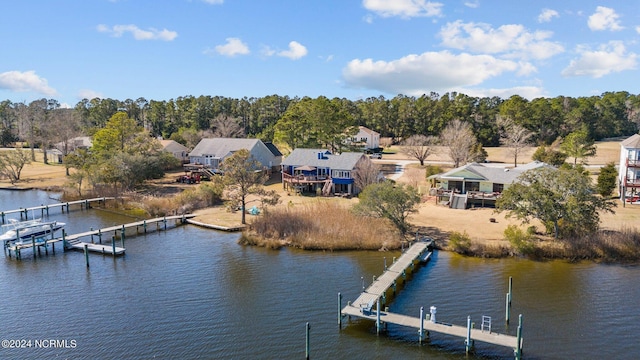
(191, 293)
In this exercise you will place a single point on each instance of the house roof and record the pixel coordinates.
(367, 130)
(480, 172)
(274, 150)
(632, 142)
(172, 146)
(221, 147)
(343, 161)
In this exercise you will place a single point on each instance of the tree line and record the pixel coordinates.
(315, 121)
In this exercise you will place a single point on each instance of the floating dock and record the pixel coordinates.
(369, 306)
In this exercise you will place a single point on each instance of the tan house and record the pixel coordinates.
(178, 150)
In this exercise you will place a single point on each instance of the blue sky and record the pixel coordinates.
(73, 49)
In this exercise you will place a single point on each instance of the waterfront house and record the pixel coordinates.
(319, 170)
(476, 183)
(178, 150)
(629, 169)
(211, 152)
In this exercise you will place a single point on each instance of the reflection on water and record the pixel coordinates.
(192, 293)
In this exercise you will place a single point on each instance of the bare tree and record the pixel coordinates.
(226, 127)
(366, 173)
(419, 147)
(514, 136)
(11, 164)
(30, 118)
(459, 140)
(65, 125)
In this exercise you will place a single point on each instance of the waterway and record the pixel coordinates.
(192, 293)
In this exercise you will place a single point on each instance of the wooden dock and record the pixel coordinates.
(44, 209)
(73, 242)
(217, 227)
(373, 297)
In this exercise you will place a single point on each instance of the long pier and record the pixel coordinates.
(375, 294)
(73, 242)
(44, 209)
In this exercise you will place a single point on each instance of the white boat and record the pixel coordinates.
(19, 231)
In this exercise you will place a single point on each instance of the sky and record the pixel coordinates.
(163, 49)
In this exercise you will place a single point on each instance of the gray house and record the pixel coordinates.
(313, 170)
(476, 184)
(211, 152)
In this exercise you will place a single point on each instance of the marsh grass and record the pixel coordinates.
(321, 226)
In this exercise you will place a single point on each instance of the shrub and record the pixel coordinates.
(460, 242)
(519, 239)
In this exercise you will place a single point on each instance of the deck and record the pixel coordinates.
(73, 242)
(370, 298)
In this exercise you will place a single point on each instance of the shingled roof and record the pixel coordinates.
(632, 142)
(492, 174)
(343, 161)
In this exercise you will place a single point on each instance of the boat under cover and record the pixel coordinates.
(24, 230)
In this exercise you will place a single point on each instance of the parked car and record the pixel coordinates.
(376, 156)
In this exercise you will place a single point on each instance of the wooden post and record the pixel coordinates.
(507, 311)
(519, 339)
(41, 210)
(378, 316)
(468, 342)
(362, 278)
(307, 348)
(86, 254)
(164, 220)
(86, 204)
(47, 208)
(46, 248)
(113, 245)
(144, 225)
(122, 233)
(67, 207)
(64, 240)
(92, 236)
(340, 310)
(33, 245)
(100, 236)
(385, 263)
(421, 332)
(510, 288)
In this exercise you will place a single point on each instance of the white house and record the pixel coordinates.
(211, 152)
(366, 138)
(629, 169)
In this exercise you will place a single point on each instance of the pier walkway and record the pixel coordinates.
(44, 209)
(73, 241)
(374, 295)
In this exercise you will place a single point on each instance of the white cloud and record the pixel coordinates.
(604, 19)
(25, 81)
(638, 29)
(89, 94)
(138, 34)
(608, 58)
(233, 47)
(295, 51)
(472, 4)
(403, 8)
(546, 15)
(214, 2)
(509, 40)
(430, 71)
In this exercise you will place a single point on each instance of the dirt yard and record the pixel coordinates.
(433, 219)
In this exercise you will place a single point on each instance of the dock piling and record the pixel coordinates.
(421, 331)
(33, 246)
(378, 316)
(86, 254)
(519, 339)
(468, 342)
(307, 348)
(340, 310)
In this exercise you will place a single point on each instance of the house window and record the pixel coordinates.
(342, 174)
(498, 188)
(472, 186)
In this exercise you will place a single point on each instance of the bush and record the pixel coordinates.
(433, 170)
(460, 242)
(519, 239)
